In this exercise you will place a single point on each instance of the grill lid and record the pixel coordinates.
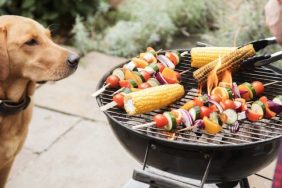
(249, 133)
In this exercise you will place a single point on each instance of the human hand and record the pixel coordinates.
(273, 18)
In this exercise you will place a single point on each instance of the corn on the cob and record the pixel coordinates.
(231, 62)
(152, 98)
(201, 56)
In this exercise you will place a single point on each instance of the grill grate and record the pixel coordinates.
(249, 132)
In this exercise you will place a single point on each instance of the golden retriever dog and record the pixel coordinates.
(27, 56)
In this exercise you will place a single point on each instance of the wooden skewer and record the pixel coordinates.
(118, 91)
(143, 125)
(101, 90)
(108, 106)
(183, 72)
(274, 82)
(184, 53)
(188, 128)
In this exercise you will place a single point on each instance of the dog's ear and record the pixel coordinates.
(4, 58)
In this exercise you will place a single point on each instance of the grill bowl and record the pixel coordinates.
(229, 161)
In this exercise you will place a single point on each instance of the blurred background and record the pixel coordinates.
(126, 27)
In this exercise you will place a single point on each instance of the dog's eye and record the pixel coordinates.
(31, 42)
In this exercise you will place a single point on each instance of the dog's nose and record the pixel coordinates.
(73, 60)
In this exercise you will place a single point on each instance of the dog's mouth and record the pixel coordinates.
(41, 82)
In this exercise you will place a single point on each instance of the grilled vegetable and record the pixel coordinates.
(258, 107)
(173, 57)
(278, 99)
(153, 82)
(268, 112)
(231, 116)
(258, 87)
(170, 76)
(204, 55)
(140, 63)
(229, 62)
(223, 92)
(113, 81)
(152, 98)
(195, 112)
(160, 120)
(210, 126)
(252, 116)
(119, 72)
(171, 121)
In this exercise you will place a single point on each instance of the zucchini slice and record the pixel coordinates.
(171, 121)
(258, 107)
(195, 112)
(153, 82)
(250, 89)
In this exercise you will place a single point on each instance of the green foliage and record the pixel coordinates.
(48, 12)
(239, 23)
(138, 24)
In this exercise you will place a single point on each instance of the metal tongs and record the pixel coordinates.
(262, 60)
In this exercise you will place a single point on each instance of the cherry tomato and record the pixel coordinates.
(161, 67)
(113, 81)
(124, 83)
(145, 75)
(259, 87)
(144, 85)
(228, 104)
(160, 120)
(118, 98)
(216, 98)
(252, 116)
(213, 108)
(205, 111)
(198, 102)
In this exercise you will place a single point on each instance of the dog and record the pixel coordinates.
(27, 56)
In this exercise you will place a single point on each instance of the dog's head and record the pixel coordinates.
(27, 51)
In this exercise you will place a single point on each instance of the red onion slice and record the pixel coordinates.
(275, 107)
(164, 60)
(199, 124)
(220, 109)
(160, 78)
(235, 90)
(235, 127)
(187, 119)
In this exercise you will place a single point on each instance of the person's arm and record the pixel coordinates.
(273, 17)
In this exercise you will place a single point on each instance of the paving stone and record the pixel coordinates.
(23, 159)
(269, 170)
(258, 182)
(73, 94)
(46, 127)
(87, 156)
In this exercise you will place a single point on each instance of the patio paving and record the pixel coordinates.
(70, 143)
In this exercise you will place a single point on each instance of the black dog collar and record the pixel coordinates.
(11, 108)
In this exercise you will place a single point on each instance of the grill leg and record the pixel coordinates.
(206, 172)
(230, 184)
(146, 156)
(244, 183)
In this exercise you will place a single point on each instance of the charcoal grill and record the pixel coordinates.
(225, 157)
